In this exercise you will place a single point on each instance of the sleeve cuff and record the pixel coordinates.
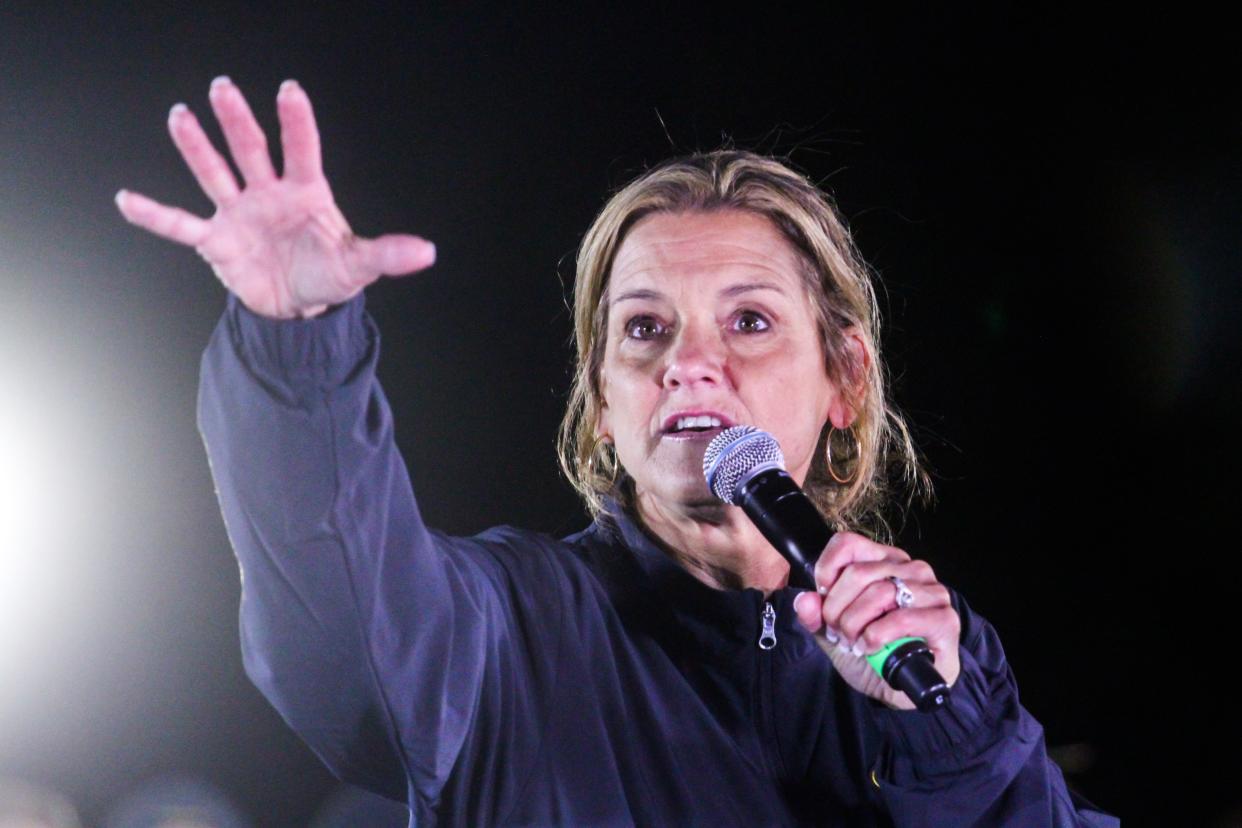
(325, 348)
(972, 713)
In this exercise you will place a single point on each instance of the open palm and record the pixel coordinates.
(280, 243)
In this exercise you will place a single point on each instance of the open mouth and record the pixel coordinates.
(695, 427)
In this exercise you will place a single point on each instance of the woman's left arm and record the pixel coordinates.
(982, 759)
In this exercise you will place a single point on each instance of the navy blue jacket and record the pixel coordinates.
(516, 679)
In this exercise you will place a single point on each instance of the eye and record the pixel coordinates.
(751, 322)
(643, 328)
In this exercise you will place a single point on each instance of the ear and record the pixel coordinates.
(841, 413)
(603, 428)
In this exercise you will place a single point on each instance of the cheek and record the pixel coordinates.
(632, 411)
(628, 397)
(778, 381)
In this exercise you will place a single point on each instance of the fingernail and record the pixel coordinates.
(832, 635)
(288, 86)
(857, 649)
(431, 251)
(120, 194)
(823, 590)
(176, 110)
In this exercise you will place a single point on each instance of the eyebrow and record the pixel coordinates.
(729, 292)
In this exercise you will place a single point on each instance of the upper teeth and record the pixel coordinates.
(702, 421)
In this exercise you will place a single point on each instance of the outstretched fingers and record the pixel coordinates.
(393, 255)
(299, 135)
(172, 223)
(246, 139)
(209, 168)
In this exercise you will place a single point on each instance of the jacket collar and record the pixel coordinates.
(716, 619)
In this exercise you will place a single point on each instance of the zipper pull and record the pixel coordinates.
(767, 638)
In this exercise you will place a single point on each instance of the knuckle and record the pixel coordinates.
(923, 571)
(898, 553)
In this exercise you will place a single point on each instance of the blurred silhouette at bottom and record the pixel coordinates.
(26, 805)
(176, 802)
(351, 807)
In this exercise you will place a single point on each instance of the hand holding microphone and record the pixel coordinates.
(886, 614)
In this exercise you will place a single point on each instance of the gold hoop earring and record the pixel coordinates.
(594, 466)
(828, 456)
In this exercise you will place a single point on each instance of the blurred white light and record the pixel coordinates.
(25, 490)
(32, 567)
(39, 586)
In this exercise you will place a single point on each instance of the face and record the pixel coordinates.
(710, 326)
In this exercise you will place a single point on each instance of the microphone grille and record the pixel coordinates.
(735, 454)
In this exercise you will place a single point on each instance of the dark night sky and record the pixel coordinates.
(1047, 220)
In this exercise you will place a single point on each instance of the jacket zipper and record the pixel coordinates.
(767, 638)
(765, 722)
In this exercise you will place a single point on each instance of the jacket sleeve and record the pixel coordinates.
(982, 761)
(346, 595)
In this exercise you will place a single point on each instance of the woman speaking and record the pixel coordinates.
(656, 668)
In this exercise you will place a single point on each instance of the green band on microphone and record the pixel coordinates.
(880, 656)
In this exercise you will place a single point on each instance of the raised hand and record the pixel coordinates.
(279, 243)
(856, 607)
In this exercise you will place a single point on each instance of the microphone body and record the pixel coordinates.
(744, 467)
(787, 518)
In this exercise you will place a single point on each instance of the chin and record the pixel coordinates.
(689, 493)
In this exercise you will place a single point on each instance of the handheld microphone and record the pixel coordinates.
(744, 467)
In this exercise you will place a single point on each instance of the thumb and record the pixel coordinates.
(809, 607)
(394, 254)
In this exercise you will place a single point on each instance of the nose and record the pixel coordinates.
(696, 357)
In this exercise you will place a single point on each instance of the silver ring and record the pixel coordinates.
(905, 597)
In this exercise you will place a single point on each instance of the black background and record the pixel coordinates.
(1047, 201)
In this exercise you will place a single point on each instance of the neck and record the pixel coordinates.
(715, 543)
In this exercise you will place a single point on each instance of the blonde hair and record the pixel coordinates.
(837, 280)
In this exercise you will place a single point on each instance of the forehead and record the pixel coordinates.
(722, 243)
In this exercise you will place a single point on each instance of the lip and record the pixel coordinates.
(693, 436)
(671, 420)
